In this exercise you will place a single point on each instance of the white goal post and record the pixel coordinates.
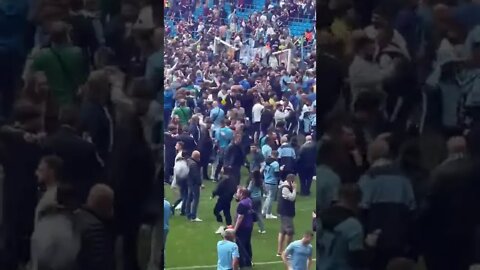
(285, 56)
(217, 41)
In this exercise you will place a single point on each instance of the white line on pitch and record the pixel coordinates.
(214, 266)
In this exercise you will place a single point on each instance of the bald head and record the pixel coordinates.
(196, 155)
(378, 149)
(456, 145)
(100, 200)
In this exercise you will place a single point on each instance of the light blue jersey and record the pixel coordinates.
(267, 151)
(299, 254)
(227, 251)
(217, 115)
(224, 136)
(270, 172)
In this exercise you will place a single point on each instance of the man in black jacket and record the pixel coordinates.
(286, 211)
(96, 231)
(189, 142)
(205, 146)
(225, 190)
(194, 184)
(306, 165)
(132, 171)
(170, 140)
(194, 129)
(331, 74)
(82, 167)
(266, 119)
(234, 158)
(19, 158)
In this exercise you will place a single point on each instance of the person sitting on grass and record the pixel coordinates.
(298, 255)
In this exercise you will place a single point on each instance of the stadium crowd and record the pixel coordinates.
(398, 129)
(240, 96)
(79, 133)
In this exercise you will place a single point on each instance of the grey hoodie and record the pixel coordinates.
(55, 243)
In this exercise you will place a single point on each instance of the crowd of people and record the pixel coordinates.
(398, 130)
(239, 111)
(80, 133)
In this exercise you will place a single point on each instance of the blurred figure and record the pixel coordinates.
(94, 224)
(82, 167)
(55, 243)
(387, 203)
(20, 156)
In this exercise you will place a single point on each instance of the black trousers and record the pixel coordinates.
(244, 242)
(223, 205)
(306, 175)
(235, 174)
(205, 171)
(218, 169)
(129, 233)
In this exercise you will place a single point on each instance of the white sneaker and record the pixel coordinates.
(262, 232)
(270, 216)
(179, 206)
(220, 230)
(197, 220)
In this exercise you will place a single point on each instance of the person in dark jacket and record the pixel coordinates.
(387, 204)
(287, 158)
(205, 146)
(286, 211)
(332, 77)
(189, 142)
(83, 32)
(449, 212)
(117, 35)
(244, 226)
(96, 120)
(82, 166)
(234, 158)
(170, 140)
(19, 158)
(225, 190)
(307, 155)
(132, 172)
(194, 129)
(97, 237)
(194, 183)
(266, 120)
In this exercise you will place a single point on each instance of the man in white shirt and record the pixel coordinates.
(256, 116)
(364, 73)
